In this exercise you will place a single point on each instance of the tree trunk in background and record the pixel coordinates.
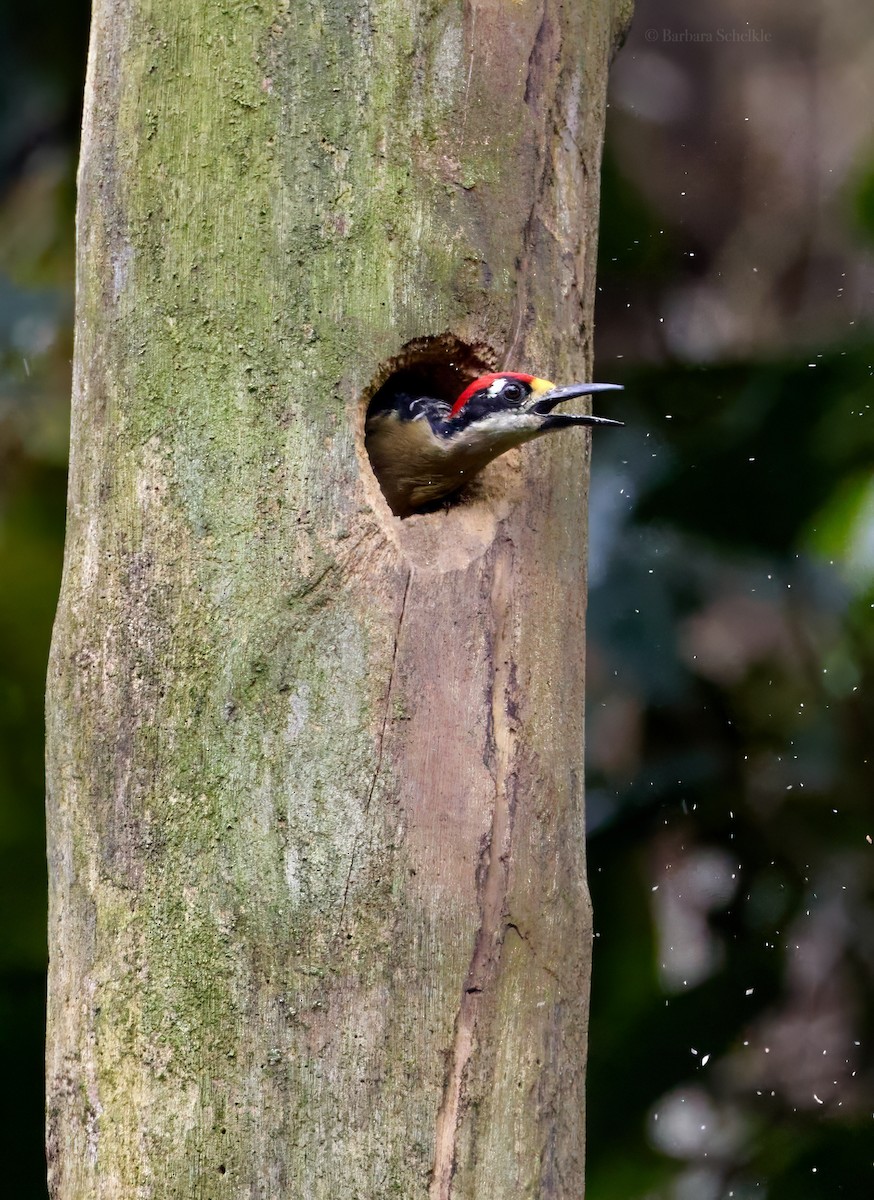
(319, 919)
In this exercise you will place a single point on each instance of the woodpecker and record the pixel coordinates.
(423, 449)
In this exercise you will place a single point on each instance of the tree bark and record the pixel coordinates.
(319, 921)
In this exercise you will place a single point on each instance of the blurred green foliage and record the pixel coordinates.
(731, 640)
(42, 48)
(761, 752)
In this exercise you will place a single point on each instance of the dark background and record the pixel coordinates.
(731, 641)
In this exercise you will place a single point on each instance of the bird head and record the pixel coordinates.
(424, 448)
(521, 406)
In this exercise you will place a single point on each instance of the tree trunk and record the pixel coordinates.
(319, 921)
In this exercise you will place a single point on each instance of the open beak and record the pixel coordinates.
(546, 402)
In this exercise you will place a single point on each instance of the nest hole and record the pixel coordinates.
(440, 367)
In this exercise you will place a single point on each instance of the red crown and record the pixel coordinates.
(480, 385)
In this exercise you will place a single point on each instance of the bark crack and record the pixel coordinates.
(379, 752)
(543, 82)
(493, 872)
(524, 937)
(391, 677)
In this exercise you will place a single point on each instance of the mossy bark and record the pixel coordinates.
(319, 922)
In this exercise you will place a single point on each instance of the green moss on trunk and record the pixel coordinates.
(277, 752)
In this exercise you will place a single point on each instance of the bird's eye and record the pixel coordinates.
(512, 391)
